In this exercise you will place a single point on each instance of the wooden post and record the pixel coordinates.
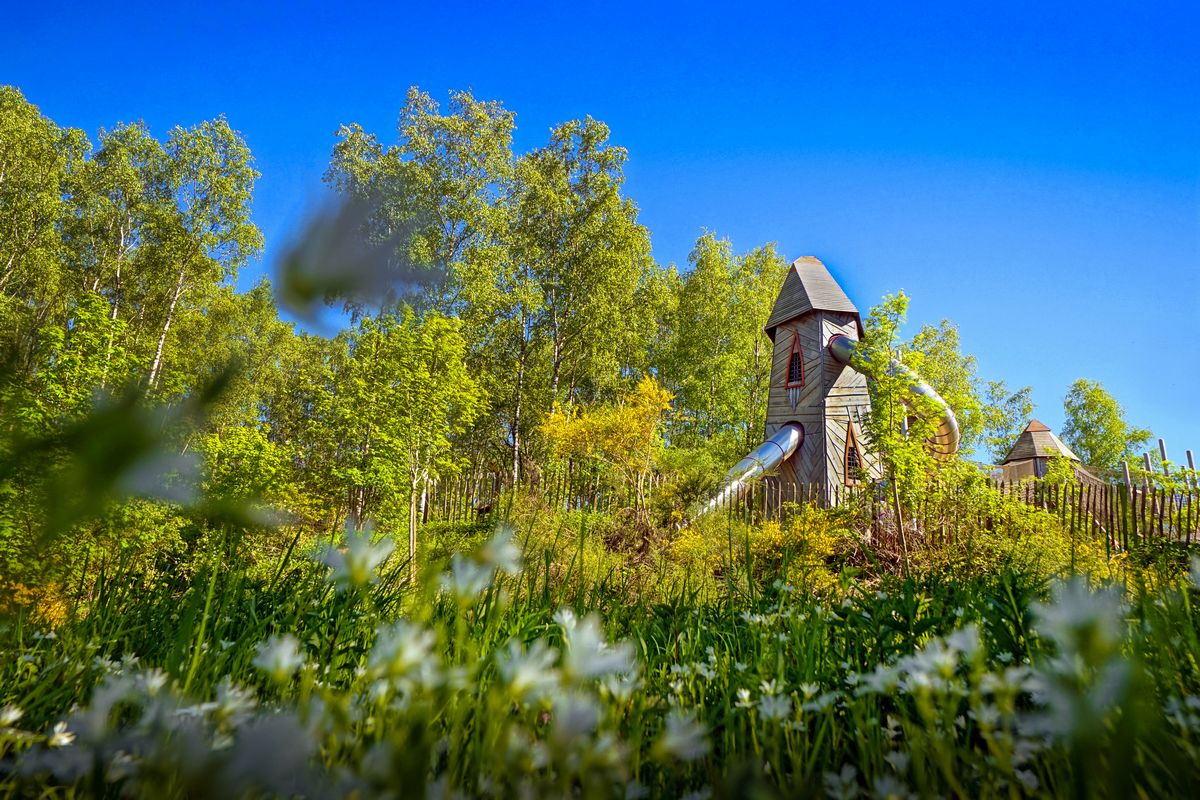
(1162, 510)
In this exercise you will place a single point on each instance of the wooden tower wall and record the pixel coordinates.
(831, 396)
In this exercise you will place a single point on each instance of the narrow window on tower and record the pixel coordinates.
(795, 371)
(853, 461)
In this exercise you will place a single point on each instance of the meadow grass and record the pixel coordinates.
(531, 661)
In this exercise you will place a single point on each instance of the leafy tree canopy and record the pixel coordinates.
(1095, 426)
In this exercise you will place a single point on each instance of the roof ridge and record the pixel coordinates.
(808, 286)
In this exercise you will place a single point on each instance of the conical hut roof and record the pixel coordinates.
(1037, 441)
(808, 287)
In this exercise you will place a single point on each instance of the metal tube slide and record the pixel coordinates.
(944, 442)
(766, 457)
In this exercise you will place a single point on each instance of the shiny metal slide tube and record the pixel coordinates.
(943, 443)
(766, 457)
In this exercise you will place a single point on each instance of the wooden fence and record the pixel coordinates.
(1122, 513)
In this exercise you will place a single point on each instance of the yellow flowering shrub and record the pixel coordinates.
(796, 551)
(44, 604)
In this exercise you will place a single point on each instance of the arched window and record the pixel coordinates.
(853, 456)
(795, 369)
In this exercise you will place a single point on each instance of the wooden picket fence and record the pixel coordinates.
(1123, 514)
(478, 495)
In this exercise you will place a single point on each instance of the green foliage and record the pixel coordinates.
(719, 362)
(545, 262)
(1095, 427)
(622, 439)
(894, 432)
(536, 678)
(185, 611)
(990, 416)
(1005, 415)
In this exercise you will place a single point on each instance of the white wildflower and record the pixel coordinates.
(9, 715)
(576, 714)
(234, 704)
(769, 687)
(964, 641)
(888, 787)
(120, 767)
(588, 654)
(467, 577)
(279, 657)
(821, 702)
(897, 760)
(684, 738)
(355, 564)
(1081, 621)
(744, 700)
(621, 685)
(841, 785)
(566, 619)
(1027, 779)
(772, 707)
(60, 737)
(501, 552)
(151, 682)
(400, 649)
(528, 672)
(882, 680)
(635, 791)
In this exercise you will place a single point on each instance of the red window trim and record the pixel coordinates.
(849, 477)
(787, 374)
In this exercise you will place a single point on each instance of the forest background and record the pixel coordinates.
(502, 313)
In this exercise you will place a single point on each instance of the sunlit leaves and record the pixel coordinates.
(1095, 426)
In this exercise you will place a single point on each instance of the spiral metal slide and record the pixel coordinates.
(942, 444)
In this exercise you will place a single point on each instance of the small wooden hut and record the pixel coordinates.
(812, 389)
(1030, 455)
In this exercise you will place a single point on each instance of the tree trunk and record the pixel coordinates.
(112, 327)
(412, 532)
(517, 408)
(556, 371)
(156, 366)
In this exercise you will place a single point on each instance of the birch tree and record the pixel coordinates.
(206, 234)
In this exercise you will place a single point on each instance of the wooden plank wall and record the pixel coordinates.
(846, 399)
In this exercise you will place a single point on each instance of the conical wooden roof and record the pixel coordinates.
(1037, 441)
(808, 287)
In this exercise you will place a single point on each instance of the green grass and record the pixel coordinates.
(564, 677)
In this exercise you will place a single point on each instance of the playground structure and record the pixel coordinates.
(817, 400)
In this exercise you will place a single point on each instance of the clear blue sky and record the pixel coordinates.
(1029, 171)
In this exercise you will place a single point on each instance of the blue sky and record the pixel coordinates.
(1029, 171)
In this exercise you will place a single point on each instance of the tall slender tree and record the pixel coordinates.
(207, 234)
